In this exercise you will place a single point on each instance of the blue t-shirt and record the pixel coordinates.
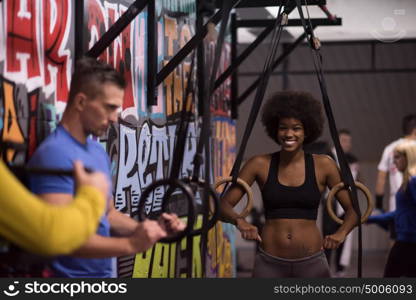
(58, 151)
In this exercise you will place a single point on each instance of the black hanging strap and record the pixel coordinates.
(261, 89)
(204, 141)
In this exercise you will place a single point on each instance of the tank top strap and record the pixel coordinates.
(274, 162)
(309, 169)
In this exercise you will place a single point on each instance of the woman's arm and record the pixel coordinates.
(249, 174)
(48, 229)
(235, 192)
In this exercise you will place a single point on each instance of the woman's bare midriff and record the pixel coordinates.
(291, 238)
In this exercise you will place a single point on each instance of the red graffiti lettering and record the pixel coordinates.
(56, 30)
(22, 40)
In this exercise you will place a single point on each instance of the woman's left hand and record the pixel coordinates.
(333, 241)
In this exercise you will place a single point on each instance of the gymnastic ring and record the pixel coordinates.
(339, 186)
(191, 206)
(213, 220)
(246, 211)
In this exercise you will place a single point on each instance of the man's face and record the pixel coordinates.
(103, 110)
(346, 142)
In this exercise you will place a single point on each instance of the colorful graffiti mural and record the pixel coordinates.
(36, 63)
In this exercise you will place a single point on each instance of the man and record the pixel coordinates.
(344, 251)
(95, 97)
(386, 165)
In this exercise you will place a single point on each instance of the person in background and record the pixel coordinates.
(387, 166)
(344, 252)
(401, 260)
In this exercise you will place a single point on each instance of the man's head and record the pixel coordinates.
(96, 94)
(409, 125)
(345, 140)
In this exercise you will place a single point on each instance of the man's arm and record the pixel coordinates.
(142, 237)
(146, 234)
(121, 224)
(380, 184)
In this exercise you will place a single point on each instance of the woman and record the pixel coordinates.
(291, 182)
(401, 260)
(49, 229)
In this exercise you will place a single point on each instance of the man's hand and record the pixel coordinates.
(147, 233)
(171, 223)
(96, 179)
(248, 231)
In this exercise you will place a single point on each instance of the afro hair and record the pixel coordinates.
(293, 104)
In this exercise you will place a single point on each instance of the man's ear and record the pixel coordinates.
(80, 101)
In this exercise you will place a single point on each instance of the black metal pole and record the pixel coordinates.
(253, 86)
(190, 45)
(238, 60)
(234, 76)
(263, 3)
(117, 28)
(79, 29)
(200, 73)
(254, 23)
(151, 53)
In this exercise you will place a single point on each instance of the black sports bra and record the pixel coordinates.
(287, 202)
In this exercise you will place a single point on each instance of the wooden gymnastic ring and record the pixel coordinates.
(246, 187)
(339, 186)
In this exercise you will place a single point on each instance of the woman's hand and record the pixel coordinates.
(333, 241)
(248, 231)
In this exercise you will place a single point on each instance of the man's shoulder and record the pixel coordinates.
(96, 148)
(395, 143)
(51, 151)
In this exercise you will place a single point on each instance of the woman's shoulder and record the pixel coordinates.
(323, 161)
(261, 160)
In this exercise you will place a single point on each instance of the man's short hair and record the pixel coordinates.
(344, 131)
(89, 76)
(409, 124)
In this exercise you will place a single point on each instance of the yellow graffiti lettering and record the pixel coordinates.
(168, 84)
(142, 264)
(160, 266)
(11, 131)
(170, 33)
(196, 252)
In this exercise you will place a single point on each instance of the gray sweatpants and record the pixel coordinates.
(269, 266)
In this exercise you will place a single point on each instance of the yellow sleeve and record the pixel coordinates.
(43, 228)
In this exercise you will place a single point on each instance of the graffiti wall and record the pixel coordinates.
(37, 42)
